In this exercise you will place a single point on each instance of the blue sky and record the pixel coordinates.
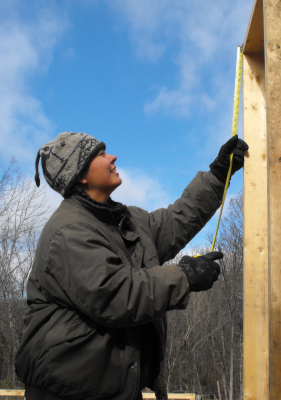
(153, 79)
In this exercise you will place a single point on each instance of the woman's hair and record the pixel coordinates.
(77, 187)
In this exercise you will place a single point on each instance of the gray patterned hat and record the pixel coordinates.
(64, 158)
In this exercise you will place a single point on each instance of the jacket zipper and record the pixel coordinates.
(138, 371)
(128, 256)
(123, 246)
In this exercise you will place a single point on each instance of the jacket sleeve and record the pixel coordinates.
(173, 227)
(90, 277)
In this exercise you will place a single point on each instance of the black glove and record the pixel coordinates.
(201, 271)
(220, 166)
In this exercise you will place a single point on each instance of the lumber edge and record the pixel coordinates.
(175, 396)
(254, 39)
(12, 392)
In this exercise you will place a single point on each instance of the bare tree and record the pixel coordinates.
(227, 346)
(204, 343)
(22, 213)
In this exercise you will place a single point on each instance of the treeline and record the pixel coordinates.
(22, 214)
(204, 343)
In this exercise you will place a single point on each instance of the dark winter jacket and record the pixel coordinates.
(88, 297)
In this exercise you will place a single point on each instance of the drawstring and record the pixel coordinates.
(37, 178)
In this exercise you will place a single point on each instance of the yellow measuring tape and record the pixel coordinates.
(236, 103)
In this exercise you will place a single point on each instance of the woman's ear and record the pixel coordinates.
(83, 180)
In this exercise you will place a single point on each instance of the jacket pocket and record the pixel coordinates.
(150, 257)
(78, 360)
(66, 332)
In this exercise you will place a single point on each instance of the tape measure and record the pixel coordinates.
(236, 104)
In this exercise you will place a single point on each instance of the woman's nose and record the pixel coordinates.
(112, 158)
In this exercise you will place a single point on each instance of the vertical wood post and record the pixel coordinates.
(256, 341)
(262, 203)
(272, 25)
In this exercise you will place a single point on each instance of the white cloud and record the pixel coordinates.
(176, 102)
(26, 48)
(197, 35)
(138, 189)
(144, 19)
(53, 198)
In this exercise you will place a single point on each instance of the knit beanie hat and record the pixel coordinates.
(64, 158)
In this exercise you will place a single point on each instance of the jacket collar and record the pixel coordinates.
(106, 212)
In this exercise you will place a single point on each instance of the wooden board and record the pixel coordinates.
(272, 24)
(256, 342)
(262, 212)
(12, 393)
(186, 396)
(254, 40)
(256, 266)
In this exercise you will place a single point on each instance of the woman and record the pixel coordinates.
(97, 293)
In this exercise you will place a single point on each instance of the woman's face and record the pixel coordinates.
(101, 178)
